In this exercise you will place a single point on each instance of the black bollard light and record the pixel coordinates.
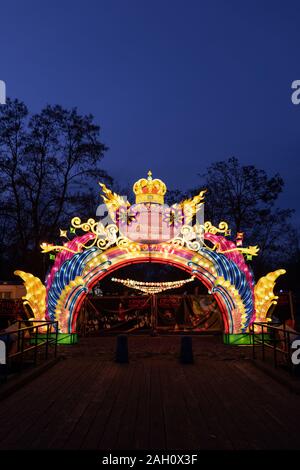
(122, 349)
(186, 350)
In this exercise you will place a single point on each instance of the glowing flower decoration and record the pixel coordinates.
(125, 217)
(174, 218)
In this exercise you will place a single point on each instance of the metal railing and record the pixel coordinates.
(28, 344)
(276, 339)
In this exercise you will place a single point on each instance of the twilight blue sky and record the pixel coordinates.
(175, 85)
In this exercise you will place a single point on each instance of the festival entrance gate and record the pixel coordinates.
(150, 231)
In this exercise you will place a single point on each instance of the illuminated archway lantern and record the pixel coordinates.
(148, 231)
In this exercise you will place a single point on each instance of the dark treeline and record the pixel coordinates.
(247, 199)
(48, 166)
(50, 163)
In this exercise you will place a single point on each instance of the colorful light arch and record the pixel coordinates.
(72, 278)
(151, 232)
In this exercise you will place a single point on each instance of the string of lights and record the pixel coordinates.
(152, 287)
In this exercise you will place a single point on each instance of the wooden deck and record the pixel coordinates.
(87, 401)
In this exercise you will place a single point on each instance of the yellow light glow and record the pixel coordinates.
(35, 294)
(264, 295)
(149, 190)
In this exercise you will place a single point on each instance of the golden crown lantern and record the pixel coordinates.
(149, 190)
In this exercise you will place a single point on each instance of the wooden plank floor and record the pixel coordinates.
(87, 401)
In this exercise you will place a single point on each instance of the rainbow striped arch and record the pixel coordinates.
(226, 276)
